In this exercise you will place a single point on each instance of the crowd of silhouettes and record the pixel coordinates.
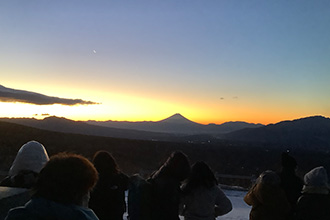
(284, 196)
(69, 186)
(61, 191)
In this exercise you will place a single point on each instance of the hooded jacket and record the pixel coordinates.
(43, 209)
(267, 199)
(29, 160)
(314, 204)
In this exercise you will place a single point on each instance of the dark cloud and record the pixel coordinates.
(13, 95)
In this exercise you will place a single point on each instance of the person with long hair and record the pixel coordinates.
(290, 182)
(108, 197)
(61, 191)
(202, 197)
(166, 183)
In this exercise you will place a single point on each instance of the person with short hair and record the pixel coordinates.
(61, 192)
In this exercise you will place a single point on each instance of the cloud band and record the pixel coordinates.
(13, 95)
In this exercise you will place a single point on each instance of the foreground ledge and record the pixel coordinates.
(11, 197)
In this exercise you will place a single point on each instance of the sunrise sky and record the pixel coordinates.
(210, 60)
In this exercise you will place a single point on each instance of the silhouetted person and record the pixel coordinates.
(267, 198)
(140, 198)
(30, 159)
(61, 191)
(108, 197)
(166, 187)
(202, 198)
(314, 204)
(290, 182)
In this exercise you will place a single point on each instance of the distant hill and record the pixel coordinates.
(309, 133)
(132, 155)
(312, 133)
(177, 124)
(78, 127)
(174, 128)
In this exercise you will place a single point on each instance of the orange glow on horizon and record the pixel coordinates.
(118, 106)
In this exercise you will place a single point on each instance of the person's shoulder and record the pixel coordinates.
(6, 181)
(86, 214)
(20, 213)
(123, 176)
(217, 190)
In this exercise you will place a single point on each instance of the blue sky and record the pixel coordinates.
(212, 61)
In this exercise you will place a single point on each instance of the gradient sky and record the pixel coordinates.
(210, 60)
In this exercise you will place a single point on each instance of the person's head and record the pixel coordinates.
(288, 162)
(32, 156)
(200, 170)
(66, 178)
(201, 176)
(269, 178)
(176, 166)
(105, 163)
(317, 177)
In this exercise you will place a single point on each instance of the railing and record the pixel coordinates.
(236, 180)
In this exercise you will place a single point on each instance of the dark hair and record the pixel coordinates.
(201, 176)
(177, 166)
(105, 164)
(66, 178)
(288, 161)
(269, 177)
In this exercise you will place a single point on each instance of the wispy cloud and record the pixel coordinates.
(42, 115)
(14, 95)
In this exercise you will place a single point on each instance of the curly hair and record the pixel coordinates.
(66, 178)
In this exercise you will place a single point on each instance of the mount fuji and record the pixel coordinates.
(177, 124)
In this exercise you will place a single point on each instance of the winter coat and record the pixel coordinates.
(292, 186)
(166, 190)
(43, 209)
(29, 160)
(314, 204)
(268, 202)
(205, 204)
(166, 198)
(140, 198)
(108, 197)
